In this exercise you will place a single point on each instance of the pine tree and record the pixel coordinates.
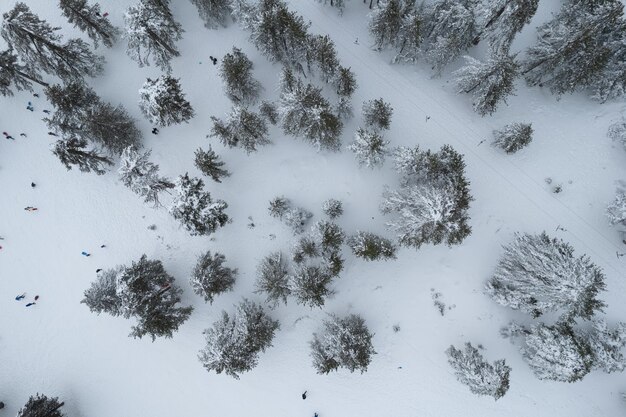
(310, 285)
(294, 217)
(616, 210)
(617, 131)
(269, 112)
(385, 23)
(236, 72)
(572, 49)
(305, 112)
(242, 128)
(142, 176)
(163, 102)
(195, 209)
(13, 73)
(234, 342)
(523, 280)
(480, 376)
(344, 82)
(513, 137)
(39, 46)
(214, 13)
(369, 148)
(410, 37)
(450, 29)
(88, 19)
(73, 151)
(144, 291)
(209, 278)
(41, 406)
(245, 13)
(346, 342)
(151, 32)
(279, 206)
(607, 345)
(332, 208)
(371, 247)
(324, 55)
(489, 82)
(557, 353)
(209, 164)
(503, 19)
(273, 279)
(611, 83)
(377, 114)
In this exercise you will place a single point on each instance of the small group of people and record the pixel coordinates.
(31, 303)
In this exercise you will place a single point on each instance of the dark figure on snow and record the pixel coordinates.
(29, 208)
(30, 304)
(304, 395)
(23, 134)
(52, 134)
(1, 405)
(6, 135)
(19, 297)
(33, 185)
(155, 131)
(85, 253)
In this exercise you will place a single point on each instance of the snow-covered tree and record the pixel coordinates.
(41, 406)
(616, 210)
(279, 206)
(144, 291)
(332, 208)
(13, 74)
(305, 112)
(346, 342)
(214, 13)
(410, 37)
(539, 274)
(479, 375)
(151, 32)
(269, 112)
(244, 12)
(273, 279)
(377, 114)
(572, 49)
(503, 19)
(611, 83)
(324, 56)
(142, 176)
(243, 129)
(344, 82)
(489, 82)
(449, 30)
(310, 285)
(210, 278)
(513, 137)
(236, 72)
(369, 147)
(385, 22)
(87, 18)
(39, 46)
(607, 345)
(617, 131)
(73, 152)
(209, 163)
(294, 217)
(163, 102)
(234, 342)
(338, 4)
(371, 247)
(80, 113)
(195, 209)
(557, 353)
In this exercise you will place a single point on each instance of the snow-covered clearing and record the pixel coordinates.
(59, 348)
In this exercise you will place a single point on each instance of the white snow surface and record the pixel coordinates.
(59, 348)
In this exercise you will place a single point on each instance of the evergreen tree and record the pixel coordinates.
(346, 342)
(344, 82)
(371, 247)
(607, 345)
(489, 82)
(339, 4)
(273, 279)
(244, 12)
(305, 112)
(13, 73)
(233, 343)
(73, 151)
(279, 206)
(616, 210)
(195, 209)
(88, 19)
(324, 55)
(41, 406)
(242, 128)
(410, 37)
(385, 23)
(503, 19)
(480, 376)
(611, 83)
(269, 112)
(329, 235)
(236, 72)
(294, 217)
(310, 285)
(144, 291)
(572, 49)
(210, 278)
(209, 164)
(377, 114)
(151, 32)
(39, 46)
(142, 176)
(163, 102)
(214, 13)
(523, 280)
(450, 29)
(617, 131)
(557, 353)
(369, 148)
(513, 137)
(332, 208)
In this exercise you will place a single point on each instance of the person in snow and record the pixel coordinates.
(304, 395)
(6, 135)
(21, 296)
(23, 134)
(29, 208)
(33, 185)
(155, 131)
(31, 304)
(36, 297)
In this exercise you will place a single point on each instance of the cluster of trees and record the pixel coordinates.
(41, 405)
(433, 199)
(567, 287)
(369, 146)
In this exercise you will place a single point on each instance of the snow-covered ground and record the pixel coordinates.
(58, 347)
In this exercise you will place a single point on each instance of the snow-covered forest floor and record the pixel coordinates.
(59, 348)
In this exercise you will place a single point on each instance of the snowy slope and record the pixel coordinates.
(60, 348)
